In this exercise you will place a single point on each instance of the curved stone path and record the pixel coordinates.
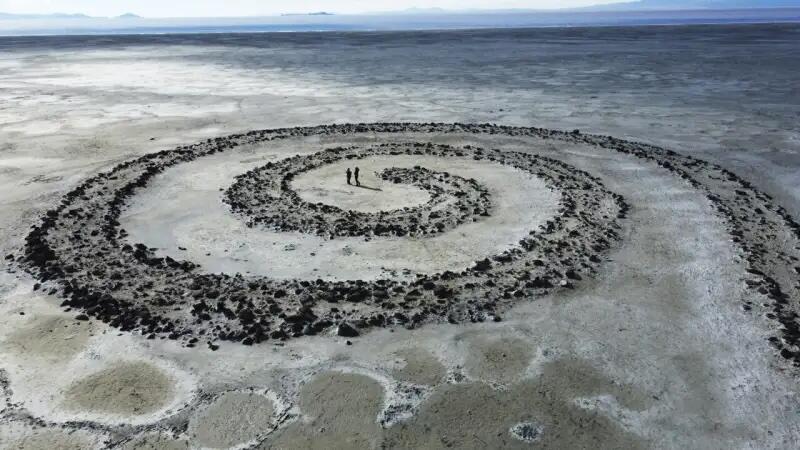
(264, 196)
(80, 251)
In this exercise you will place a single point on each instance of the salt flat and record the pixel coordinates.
(664, 342)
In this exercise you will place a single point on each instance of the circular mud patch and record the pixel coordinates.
(155, 442)
(537, 411)
(339, 410)
(419, 367)
(50, 439)
(51, 338)
(498, 360)
(234, 418)
(126, 389)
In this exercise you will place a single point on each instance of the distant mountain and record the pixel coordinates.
(320, 13)
(693, 4)
(629, 5)
(8, 16)
(417, 10)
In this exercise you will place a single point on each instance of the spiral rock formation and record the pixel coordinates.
(80, 251)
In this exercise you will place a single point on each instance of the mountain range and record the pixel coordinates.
(692, 4)
(60, 16)
(633, 5)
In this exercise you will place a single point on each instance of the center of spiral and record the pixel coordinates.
(266, 197)
(328, 185)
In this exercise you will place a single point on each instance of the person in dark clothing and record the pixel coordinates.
(356, 174)
(349, 174)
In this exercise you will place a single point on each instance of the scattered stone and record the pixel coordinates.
(527, 432)
(347, 330)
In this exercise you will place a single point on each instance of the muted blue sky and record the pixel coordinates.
(195, 8)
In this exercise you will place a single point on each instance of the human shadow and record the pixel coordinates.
(369, 187)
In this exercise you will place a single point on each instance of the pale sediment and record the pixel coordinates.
(514, 384)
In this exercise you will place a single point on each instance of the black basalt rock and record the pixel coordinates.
(346, 330)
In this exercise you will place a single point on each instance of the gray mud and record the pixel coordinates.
(52, 338)
(234, 418)
(339, 411)
(126, 389)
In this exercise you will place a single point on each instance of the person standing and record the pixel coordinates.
(349, 174)
(356, 174)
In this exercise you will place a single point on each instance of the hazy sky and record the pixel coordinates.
(192, 8)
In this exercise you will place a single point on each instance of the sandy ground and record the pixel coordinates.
(654, 352)
(161, 216)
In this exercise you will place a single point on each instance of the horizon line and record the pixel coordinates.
(410, 11)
